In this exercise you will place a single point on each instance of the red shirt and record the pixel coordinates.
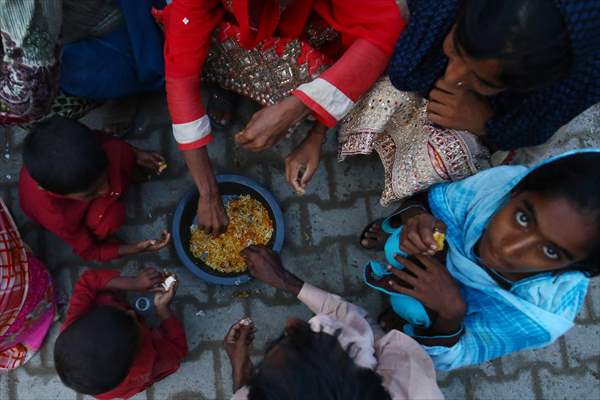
(161, 349)
(369, 30)
(66, 218)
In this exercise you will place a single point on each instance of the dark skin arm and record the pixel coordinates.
(146, 280)
(211, 213)
(265, 265)
(428, 281)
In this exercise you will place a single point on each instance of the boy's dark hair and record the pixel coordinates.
(316, 367)
(529, 37)
(94, 354)
(577, 179)
(64, 156)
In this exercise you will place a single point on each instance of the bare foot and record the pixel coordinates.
(221, 107)
(373, 238)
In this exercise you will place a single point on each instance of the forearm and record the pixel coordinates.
(241, 375)
(446, 329)
(121, 283)
(201, 169)
(290, 283)
(28, 82)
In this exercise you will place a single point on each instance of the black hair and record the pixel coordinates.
(64, 156)
(316, 367)
(93, 355)
(577, 179)
(529, 37)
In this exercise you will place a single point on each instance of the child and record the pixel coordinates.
(108, 351)
(521, 246)
(71, 184)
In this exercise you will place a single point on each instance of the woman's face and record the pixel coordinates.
(534, 233)
(480, 76)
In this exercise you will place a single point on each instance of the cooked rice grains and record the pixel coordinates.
(249, 224)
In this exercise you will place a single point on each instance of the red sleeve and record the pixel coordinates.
(41, 208)
(83, 242)
(335, 92)
(369, 30)
(188, 26)
(171, 345)
(85, 292)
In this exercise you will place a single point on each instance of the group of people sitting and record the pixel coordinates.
(479, 260)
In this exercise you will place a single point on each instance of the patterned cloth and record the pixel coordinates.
(44, 40)
(29, 67)
(519, 119)
(415, 153)
(358, 36)
(533, 313)
(26, 297)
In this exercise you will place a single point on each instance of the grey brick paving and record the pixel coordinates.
(321, 247)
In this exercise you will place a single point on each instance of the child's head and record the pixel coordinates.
(302, 364)
(551, 221)
(94, 354)
(507, 45)
(65, 157)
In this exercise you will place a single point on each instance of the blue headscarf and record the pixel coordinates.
(520, 119)
(534, 312)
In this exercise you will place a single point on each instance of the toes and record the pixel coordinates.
(365, 242)
(374, 228)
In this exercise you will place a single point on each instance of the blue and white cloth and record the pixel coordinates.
(533, 313)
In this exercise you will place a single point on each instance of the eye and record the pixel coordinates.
(550, 252)
(522, 219)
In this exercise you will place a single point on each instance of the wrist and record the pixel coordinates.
(209, 190)
(127, 250)
(241, 373)
(412, 212)
(292, 284)
(454, 313)
(163, 312)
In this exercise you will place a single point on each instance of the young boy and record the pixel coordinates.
(71, 184)
(105, 349)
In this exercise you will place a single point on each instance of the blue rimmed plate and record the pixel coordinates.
(230, 186)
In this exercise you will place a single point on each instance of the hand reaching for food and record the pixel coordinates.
(302, 163)
(145, 245)
(150, 160)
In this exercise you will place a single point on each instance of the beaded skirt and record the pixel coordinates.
(415, 153)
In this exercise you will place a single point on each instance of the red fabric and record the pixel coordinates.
(189, 24)
(84, 224)
(161, 349)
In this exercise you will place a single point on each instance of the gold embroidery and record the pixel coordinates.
(414, 153)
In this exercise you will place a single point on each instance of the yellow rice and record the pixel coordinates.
(249, 224)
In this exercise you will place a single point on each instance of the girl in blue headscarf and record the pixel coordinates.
(521, 246)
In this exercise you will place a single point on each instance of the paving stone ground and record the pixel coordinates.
(321, 247)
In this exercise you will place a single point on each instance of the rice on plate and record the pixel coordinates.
(249, 224)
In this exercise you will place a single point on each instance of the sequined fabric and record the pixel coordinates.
(415, 154)
(270, 71)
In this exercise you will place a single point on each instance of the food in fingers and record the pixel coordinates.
(439, 238)
(169, 282)
(162, 165)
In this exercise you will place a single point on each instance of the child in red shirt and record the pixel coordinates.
(105, 349)
(72, 182)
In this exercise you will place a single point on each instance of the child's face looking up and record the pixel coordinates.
(534, 233)
(98, 189)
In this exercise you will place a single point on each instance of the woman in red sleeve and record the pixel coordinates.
(297, 58)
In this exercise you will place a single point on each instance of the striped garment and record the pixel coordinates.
(533, 313)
